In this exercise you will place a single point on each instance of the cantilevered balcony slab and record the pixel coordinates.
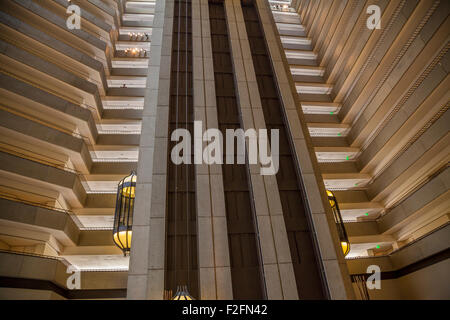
(96, 13)
(338, 167)
(329, 142)
(344, 181)
(375, 245)
(40, 71)
(58, 223)
(19, 265)
(50, 139)
(123, 107)
(96, 238)
(361, 229)
(286, 17)
(301, 57)
(425, 204)
(54, 270)
(99, 262)
(49, 46)
(49, 177)
(100, 200)
(126, 82)
(140, 6)
(328, 129)
(307, 74)
(366, 233)
(320, 107)
(322, 118)
(23, 97)
(111, 153)
(126, 92)
(125, 31)
(102, 183)
(334, 154)
(296, 43)
(64, 227)
(360, 211)
(413, 168)
(434, 243)
(118, 166)
(97, 221)
(132, 63)
(313, 88)
(119, 138)
(137, 19)
(289, 29)
(130, 45)
(46, 19)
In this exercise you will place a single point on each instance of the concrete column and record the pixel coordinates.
(214, 260)
(333, 263)
(146, 271)
(276, 258)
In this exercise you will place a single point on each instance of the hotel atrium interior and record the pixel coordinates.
(92, 205)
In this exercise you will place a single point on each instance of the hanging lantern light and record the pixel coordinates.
(345, 244)
(123, 216)
(182, 294)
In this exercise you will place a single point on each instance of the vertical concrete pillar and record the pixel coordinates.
(146, 271)
(324, 227)
(214, 260)
(276, 259)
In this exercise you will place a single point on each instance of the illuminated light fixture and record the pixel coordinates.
(345, 244)
(123, 216)
(345, 247)
(182, 294)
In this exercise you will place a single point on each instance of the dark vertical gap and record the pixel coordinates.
(178, 264)
(304, 256)
(244, 258)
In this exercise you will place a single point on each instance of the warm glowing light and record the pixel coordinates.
(331, 198)
(123, 215)
(345, 247)
(128, 189)
(182, 294)
(123, 239)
